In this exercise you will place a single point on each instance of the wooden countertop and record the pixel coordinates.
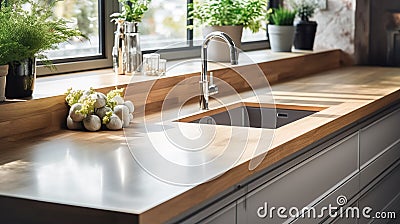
(98, 170)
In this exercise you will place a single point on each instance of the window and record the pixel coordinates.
(91, 17)
(248, 36)
(164, 26)
(83, 15)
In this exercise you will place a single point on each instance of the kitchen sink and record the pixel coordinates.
(252, 116)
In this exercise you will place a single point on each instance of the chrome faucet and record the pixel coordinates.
(207, 88)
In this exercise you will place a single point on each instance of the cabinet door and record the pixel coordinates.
(382, 196)
(303, 184)
(226, 215)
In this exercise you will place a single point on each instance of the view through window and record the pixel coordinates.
(163, 26)
(83, 15)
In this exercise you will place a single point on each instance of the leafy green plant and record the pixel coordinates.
(305, 8)
(132, 10)
(29, 25)
(281, 17)
(248, 13)
(10, 49)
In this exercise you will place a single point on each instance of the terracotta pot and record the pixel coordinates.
(3, 74)
(21, 79)
(218, 50)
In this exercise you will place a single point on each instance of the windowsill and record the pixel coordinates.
(57, 85)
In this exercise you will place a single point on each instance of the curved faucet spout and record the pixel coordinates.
(204, 88)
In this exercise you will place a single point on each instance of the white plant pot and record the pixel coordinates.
(218, 50)
(281, 38)
(3, 74)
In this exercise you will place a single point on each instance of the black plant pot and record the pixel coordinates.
(305, 35)
(21, 79)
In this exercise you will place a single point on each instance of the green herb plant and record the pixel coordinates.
(132, 10)
(248, 13)
(28, 29)
(281, 17)
(305, 8)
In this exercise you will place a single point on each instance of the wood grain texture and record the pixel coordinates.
(362, 32)
(43, 115)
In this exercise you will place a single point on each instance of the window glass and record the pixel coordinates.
(249, 36)
(164, 25)
(83, 15)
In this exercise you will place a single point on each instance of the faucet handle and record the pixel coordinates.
(212, 88)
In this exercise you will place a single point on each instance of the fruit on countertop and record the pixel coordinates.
(90, 109)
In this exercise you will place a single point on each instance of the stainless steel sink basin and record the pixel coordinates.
(251, 116)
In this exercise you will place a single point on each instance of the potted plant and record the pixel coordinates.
(132, 10)
(9, 49)
(127, 37)
(305, 29)
(31, 26)
(229, 16)
(281, 29)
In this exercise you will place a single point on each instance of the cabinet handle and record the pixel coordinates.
(282, 115)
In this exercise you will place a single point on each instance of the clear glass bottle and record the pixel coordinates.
(118, 49)
(133, 53)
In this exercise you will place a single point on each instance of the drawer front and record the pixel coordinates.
(348, 189)
(377, 166)
(304, 183)
(382, 196)
(344, 220)
(378, 136)
(226, 215)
